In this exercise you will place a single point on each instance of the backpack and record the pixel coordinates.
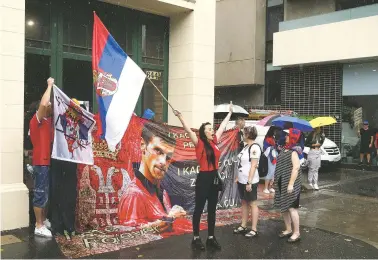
(263, 162)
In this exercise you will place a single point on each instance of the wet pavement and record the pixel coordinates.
(339, 221)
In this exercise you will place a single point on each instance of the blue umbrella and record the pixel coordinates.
(286, 122)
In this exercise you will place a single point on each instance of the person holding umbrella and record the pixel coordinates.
(270, 151)
(315, 140)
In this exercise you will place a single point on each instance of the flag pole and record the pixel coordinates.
(166, 100)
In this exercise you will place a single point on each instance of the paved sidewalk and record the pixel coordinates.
(315, 243)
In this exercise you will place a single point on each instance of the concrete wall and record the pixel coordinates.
(240, 42)
(352, 40)
(241, 96)
(295, 9)
(14, 194)
(191, 64)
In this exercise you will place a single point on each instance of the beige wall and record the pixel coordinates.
(241, 96)
(295, 9)
(14, 194)
(191, 64)
(240, 42)
(352, 40)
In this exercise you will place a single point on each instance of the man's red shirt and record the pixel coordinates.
(41, 136)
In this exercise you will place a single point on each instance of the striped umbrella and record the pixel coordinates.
(267, 121)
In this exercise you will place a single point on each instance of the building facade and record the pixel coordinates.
(240, 52)
(327, 57)
(173, 41)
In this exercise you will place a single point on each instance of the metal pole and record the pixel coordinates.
(160, 93)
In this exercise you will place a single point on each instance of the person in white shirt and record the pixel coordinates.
(248, 180)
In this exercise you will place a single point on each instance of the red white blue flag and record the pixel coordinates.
(118, 81)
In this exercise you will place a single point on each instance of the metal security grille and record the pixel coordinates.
(314, 91)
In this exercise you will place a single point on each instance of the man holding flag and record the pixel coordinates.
(41, 138)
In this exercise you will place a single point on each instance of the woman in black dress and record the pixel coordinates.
(288, 180)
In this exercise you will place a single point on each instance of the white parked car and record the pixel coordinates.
(330, 152)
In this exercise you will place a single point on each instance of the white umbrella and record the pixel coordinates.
(225, 108)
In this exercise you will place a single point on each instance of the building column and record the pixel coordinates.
(191, 64)
(14, 194)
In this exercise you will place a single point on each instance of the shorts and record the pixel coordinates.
(41, 186)
(245, 195)
(364, 148)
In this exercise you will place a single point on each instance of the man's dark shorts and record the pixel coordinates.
(364, 148)
(41, 186)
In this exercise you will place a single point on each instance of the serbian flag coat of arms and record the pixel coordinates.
(117, 80)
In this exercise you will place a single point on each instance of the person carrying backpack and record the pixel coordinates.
(248, 180)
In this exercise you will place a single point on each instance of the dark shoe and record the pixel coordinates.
(241, 230)
(213, 243)
(283, 235)
(252, 233)
(360, 164)
(290, 240)
(197, 244)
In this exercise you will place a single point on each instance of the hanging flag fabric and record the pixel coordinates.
(118, 81)
(73, 127)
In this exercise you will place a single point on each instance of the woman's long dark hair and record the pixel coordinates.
(208, 149)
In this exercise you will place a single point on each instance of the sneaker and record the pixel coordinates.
(316, 187)
(42, 232)
(197, 244)
(47, 223)
(266, 191)
(213, 243)
(360, 164)
(311, 186)
(271, 190)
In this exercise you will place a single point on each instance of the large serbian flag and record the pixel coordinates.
(117, 81)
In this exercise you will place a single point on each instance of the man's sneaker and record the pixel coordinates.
(213, 243)
(271, 190)
(42, 232)
(311, 186)
(47, 223)
(266, 191)
(197, 244)
(316, 187)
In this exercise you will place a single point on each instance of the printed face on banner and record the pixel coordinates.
(157, 156)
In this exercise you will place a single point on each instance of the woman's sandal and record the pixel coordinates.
(252, 233)
(283, 234)
(241, 230)
(290, 240)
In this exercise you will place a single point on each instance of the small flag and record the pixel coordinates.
(118, 81)
(73, 127)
